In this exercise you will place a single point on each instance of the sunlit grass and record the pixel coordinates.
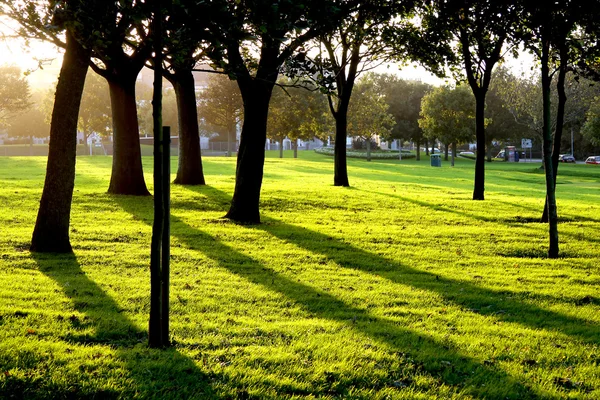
(398, 287)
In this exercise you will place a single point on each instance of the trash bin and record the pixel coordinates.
(436, 160)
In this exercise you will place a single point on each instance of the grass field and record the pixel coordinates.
(398, 287)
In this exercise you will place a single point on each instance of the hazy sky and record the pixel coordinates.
(14, 52)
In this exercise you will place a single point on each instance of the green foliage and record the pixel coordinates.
(591, 128)
(368, 114)
(400, 287)
(220, 107)
(376, 155)
(94, 111)
(31, 122)
(404, 100)
(448, 114)
(298, 113)
(14, 92)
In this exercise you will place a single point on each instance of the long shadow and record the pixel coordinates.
(465, 374)
(157, 373)
(470, 296)
(497, 303)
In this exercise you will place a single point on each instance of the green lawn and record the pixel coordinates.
(398, 287)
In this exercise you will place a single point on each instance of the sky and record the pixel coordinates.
(44, 76)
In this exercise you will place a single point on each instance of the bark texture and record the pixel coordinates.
(547, 154)
(256, 95)
(479, 185)
(51, 232)
(127, 174)
(189, 170)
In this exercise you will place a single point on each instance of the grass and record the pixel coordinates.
(398, 287)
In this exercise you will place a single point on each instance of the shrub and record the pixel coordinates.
(375, 155)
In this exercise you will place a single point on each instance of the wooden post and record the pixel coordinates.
(155, 326)
(166, 234)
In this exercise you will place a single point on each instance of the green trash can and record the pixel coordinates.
(436, 160)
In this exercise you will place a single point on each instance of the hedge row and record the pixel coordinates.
(375, 155)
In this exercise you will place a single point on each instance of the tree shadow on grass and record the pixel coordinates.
(502, 304)
(155, 373)
(463, 373)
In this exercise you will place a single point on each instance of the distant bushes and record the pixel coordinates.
(375, 155)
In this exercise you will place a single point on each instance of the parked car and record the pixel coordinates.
(593, 160)
(566, 158)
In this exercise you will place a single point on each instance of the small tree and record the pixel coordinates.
(369, 116)
(404, 100)
(220, 106)
(448, 114)
(14, 92)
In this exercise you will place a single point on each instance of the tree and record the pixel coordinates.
(591, 128)
(252, 42)
(185, 44)
(14, 92)
(94, 111)
(51, 232)
(368, 114)
(355, 46)
(221, 107)
(31, 122)
(120, 51)
(144, 109)
(470, 37)
(404, 100)
(448, 114)
(297, 113)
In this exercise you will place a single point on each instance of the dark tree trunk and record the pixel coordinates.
(453, 154)
(280, 148)
(418, 142)
(189, 171)
(368, 149)
(427, 147)
(127, 174)
(560, 120)
(51, 232)
(479, 187)
(446, 150)
(340, 165)
(295, 147)
(547, 153)
(251, 153)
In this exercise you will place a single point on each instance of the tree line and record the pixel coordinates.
(322, 45)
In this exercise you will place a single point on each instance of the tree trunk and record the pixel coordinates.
(340, 166)
(251, 153)
(189, 171)
(127, 175)
(446, 150)
(418, 149)
(488, 152)
(295, 147)
(479, 187)
(51, 232)
(453, 154)
(368, 149)
(547, 153)
(427, 147)
(560, 120)
(280, 144)
(230, 139)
